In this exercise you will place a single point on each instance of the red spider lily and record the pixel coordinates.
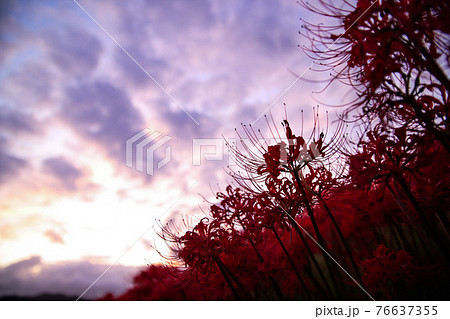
(258, 159)
(388, 51)
(272, 161)
(160, 283)
(295, 177)
(380, 38)
(388, 267)
(384, 153)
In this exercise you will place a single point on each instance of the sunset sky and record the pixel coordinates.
(70, 97)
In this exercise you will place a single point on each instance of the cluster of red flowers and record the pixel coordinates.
(388, 268)
(301, 225)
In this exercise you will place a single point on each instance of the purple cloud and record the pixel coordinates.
(15, 121)
(9, 166)
(64, 171)
(31, 277)
(134, 75)
(74, 51)
(104, 114)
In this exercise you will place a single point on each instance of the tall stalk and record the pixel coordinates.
(221, 267)
(435, 237)
(313, 258)
(274, 283)
(332, 270)
(292, 264)
(342, 238)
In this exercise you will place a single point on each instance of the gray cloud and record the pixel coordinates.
(5, 7)
(15, 121)
(30, 85)
(176, 19)
(30, 277)
(133, 74)
(64, 171)
(73, 51)
(183, 127)
(10, 166)
(264, 26)
(103, 114)
(208, 54)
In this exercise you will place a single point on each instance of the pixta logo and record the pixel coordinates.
(142, 147)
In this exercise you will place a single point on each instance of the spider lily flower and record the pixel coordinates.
(388, 267)
(388, 52)
(277, 157)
